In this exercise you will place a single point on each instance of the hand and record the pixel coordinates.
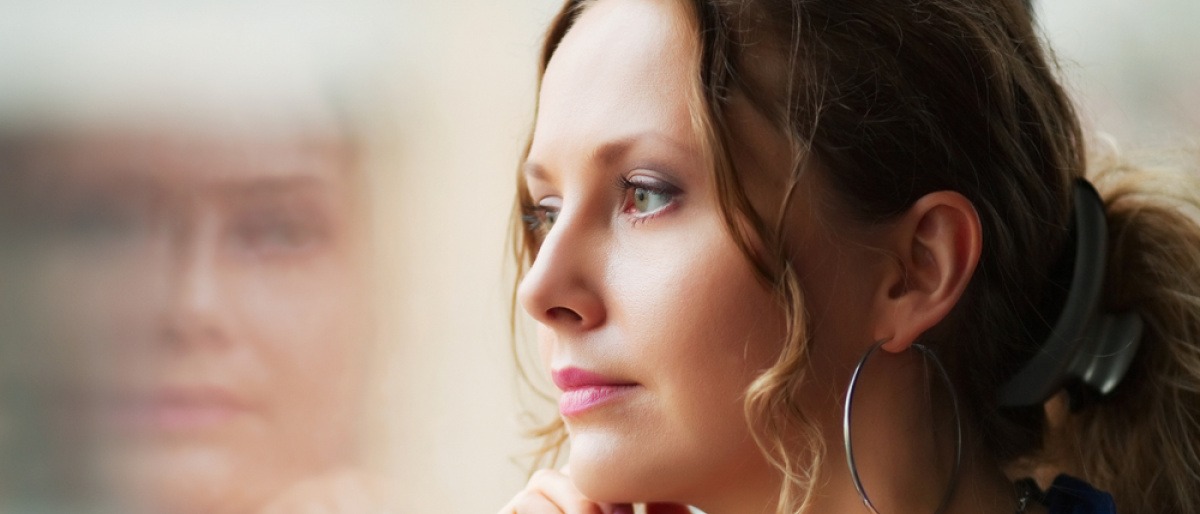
(552, 492)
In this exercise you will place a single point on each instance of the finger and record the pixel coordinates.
(558, 488)
(562, 491)
(531, 502)
(620, 508)
(667, 508)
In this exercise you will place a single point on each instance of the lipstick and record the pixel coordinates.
(175, 410)
(585, 390)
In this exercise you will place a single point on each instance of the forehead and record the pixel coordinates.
(185, 159)
(625, 67)
(180, 135)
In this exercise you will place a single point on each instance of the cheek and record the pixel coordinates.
(297, 338)
(307, 312)
(697, 327)
(701, 312)
(727, 330)
(306, 329)
(93, 318)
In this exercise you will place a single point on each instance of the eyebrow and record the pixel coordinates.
(610, 151)
(270, 185)
(534, 171)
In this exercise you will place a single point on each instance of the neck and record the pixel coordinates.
(751, 487)
(979, 487)
(905, 440)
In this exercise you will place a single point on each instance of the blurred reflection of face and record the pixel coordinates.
(208, 289)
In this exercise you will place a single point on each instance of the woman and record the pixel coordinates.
(740, 216)
(198, 310)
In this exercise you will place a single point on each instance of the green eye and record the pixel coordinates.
(647, 200)
(541, 217)
(646, 196)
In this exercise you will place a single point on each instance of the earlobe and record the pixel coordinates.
(936, 245)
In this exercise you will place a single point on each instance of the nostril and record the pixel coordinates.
(563, 314)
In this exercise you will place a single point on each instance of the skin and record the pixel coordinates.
(607, 279)
(645, 285)
(200, 264)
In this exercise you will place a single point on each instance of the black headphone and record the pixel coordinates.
(1087, 352)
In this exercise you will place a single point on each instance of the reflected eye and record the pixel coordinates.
(275, 233)
(102, 222)
(278, 233)
(645, 196)
(97, 225)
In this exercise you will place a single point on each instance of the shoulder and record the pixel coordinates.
(1070, 495)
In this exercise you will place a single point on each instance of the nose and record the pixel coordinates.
(196, 306)
(563, 287)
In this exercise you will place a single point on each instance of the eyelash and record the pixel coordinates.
(538, 219)
(628, 186)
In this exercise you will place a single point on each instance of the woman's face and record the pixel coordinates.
(651, 319)
(206, 292)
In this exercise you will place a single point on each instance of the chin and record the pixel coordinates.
(612, 470)
(184, 480)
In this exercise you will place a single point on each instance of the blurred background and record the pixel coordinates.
(253, 255)
(1130, 66)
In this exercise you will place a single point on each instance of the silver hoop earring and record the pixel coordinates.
(846, 433)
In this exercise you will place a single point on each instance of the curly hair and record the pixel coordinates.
(891, 101)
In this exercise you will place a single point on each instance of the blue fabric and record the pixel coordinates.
(1069, 495)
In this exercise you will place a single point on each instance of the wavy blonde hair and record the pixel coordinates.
(890, 101)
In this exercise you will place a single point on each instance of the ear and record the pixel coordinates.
(936, 246)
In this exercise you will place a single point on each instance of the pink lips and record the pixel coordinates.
(584, 390)
(176, 410)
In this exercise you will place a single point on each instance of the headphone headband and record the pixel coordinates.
(1088, 352)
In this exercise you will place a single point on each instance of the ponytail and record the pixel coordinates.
(1142, 443)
